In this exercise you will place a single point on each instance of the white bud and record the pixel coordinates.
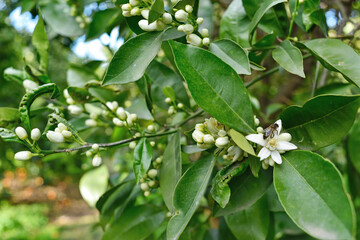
(129, 120)
(206, 41)
(271, 162)
(198, 136)
(204, 32)
(284, 137)
(160, 25)
(168, 215)
(62, 127)
(222, 133)
(180, 29)
(135, 11)
(256, 121)
(158, 160)
(180, 105)
(132, 145)
(152, 183)
(200, 127)
(21, 133)
(90, 123)
(30, 85)
(134, 2)
(145, 13)
(23, 155)
(35, 134)
(66, 134)
(97, 160)
(55, 137)
(126, 7)
(181, 15)
(209, 139)
(152, 143)
(88, 153)
(66, 93)
(133, 117)
(78, 19)
(189, 8)
(126, 14)
(144, 186)
(152, 173)
(118, 122)
(259, 129)
(137, 134)
(115, 105)
(167, 18)
(171, 110)
(95, 147)
(168, 100)
(221, 142)
(75, 110)
(199, 20)
(109, 105)
(193, 39)
(93, 116)
(147, 193)
(144, 25)
(70, 101)
(151, 128)
(188, 28)
(264, 165)
(57, 130)
(121, 113)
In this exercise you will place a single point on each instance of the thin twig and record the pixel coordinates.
(316, 78)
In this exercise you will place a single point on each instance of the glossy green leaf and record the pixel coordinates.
(12, 74)
(8, 115)
(224, 231)
(133, 57)
(156, 10)
(192, 185)
(57, 15)
(28, 5)
(353, 144)
(162, 76)
(41, 42)
(255, 165)
(335, 88)
(103, 21)
(318, 17)
(235, 23)
(169, 92)
(232, 54)
(322, 121)
(170, 171)
(143, 154)
(284, 225)
(93, 184)
(250, 223)
(336, 56)
(289, 57)
(264, 7)
(313, 194)
(78, 76)
(245, 191)
(80, 95)
(136, 223)
(139, 107)
(226, 100)
(241, 142)
(55, 118)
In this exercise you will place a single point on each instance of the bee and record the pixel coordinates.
(270, 131)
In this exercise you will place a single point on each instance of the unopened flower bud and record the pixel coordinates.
(188, 28)
(135, 11)
(66, 93)
(284, 137)
(160, 25)
(118, 122)
(134, 2)
(144, 186)
(90, 123)
(152, 143)
(75, 110)
(126, 14)
(55, 137)
(30, 85)
(206, 41)
(121, 113)
(57, 130)
(35, 134)
(133, 117)
(171, 110)
(168, 100)
(93, 116)
(97, 160)
(180, 29)
(264, 165)
(158, 160)
(200, 127)
(209, 139)
(256, 121)
(199, 20)
(145, 13)
(167, 18)
(132, 145)
(194, 39)
(189, 8)
(23, 155)
(181, 15)
(180, 105)
(21, 133)
(168, 215)
(126, 7)
(152, 183)
(222, 133)
(137, 134)
(147, 193)
(66, 134)
(151, 128)
(152, 173)
(198, 136)
(271, 162)
(259, 129)
(204, 32)
(62, 127)
(221, 142)
(88, 153)
(95, 147)
(70, 101)
(144, 25)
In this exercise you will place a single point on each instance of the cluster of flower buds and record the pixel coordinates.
(30, 85)
(123, 118)
(60, 134)
(83, 20)
(22, 135)
(73, 109)
(94, 152)
(174, 107)
(149, 181)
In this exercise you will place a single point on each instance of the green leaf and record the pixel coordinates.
(139, 107)
(169, 92)
(224, 231)
(312, 193)
(335, 88)
(156, 10)
(337, 56)
(29, 98)
(170, 171)
(192, 185)
(322, 121)
(103, 21)
(264, 7)
(28, 5)
(250, 223)
(235, 23)
(143, 154)
(78, 76)
(93, 184)
(255, 165)
(241, 142)
(41, 43)
(8, 115)
(133, 57)
(245, 191)
(226, 100)
(80, 95)
(353, 144)
(289, 57)
(136, 223)
(162, 76)
(57, 15)
(12, 74)
(232, 54)
(54, 118)
(318, 17)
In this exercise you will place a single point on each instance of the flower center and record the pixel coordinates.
(272, 144)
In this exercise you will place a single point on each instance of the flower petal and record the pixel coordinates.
(279, 123)
(257, 138)
(264, 153)
(275, 155)
(283, 145)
